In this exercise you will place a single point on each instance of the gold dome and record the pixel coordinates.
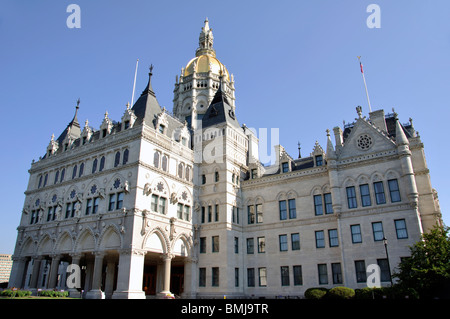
(204, 64)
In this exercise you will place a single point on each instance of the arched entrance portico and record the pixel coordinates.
(164, 265)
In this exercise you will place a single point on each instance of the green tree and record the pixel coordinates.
(428, 269)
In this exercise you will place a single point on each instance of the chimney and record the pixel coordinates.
(377, 118)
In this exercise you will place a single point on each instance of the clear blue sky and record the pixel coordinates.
(294, 63)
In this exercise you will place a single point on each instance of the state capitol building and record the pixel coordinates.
(160, 202)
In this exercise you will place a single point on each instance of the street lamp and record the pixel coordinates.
(387, 258)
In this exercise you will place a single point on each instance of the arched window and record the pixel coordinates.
(45, 180)
(56, 177)
(125, 156)
(102, 164)
(188, 173)
(156, 159)
(81, 170)
(74, 172)
(164, 163)
(63, 172)
(117, 159)
(40, 181)
(180, 170)
(94, 166)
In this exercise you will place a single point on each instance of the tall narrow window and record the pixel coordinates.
(119, 203)
(394, 191)
(337, 273)
(283, 210)
(80, 173)
(216, 213)
(262, 274)
(125, 156)
(365, 195)
(384, 268)
(117, 159)
(63, 172)
(283, 243)
(251, 277)
(284, 275)
(215, 244)
(164, 163)
(320, 239)
(162, 205)
(56, 177)
(379, 193)
(89, 206)
(112, 202)
(94, 166)
(261, 244)
(378, 233)
(360, 270)
(400, 228)
(285, 167)
(251, 214)
(295, 241)
(298, 277)
(250, 245)
(323, 274)
(215, 277)
(351, 197)
(333, 237)
(74, 171)
(156, 159)
(102, 164)
(318, 206)
(259, 213)
(202, 277)
(356, 234)
(202, 246)
(328, 203)
(154, 203)
(292, 209)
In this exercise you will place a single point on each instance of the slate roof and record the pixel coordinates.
(220, 111)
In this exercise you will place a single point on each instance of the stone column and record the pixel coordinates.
(130, 275)
(18, 272)
(110, 272)
(189, 278)
(35, 274)
(96, 291)
(53, 276)
(167, 259)
(73, 292)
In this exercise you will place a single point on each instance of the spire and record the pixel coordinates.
(331, 154)
(75, 117)
(149, 88)
(206, 41)
(400, 136)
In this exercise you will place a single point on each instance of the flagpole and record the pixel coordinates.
(134, 83)
(365, 85)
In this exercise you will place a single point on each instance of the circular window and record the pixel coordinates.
(364, 142)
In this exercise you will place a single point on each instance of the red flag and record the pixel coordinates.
(360, 64)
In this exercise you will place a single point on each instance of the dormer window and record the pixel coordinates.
(319, 160)
(161, 128)
(254, 173)
(104, 131)
(285, 167)
(126, 124)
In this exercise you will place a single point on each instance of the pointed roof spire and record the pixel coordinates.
(400, 136)
(206, 41)
(149, 88)
(331, 154)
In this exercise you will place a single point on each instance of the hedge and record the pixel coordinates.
(340, 293)
(17, 293)
(315, 293)
(53, 293)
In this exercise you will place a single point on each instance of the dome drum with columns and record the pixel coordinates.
(199, 81)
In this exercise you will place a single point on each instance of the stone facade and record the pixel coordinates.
(159, 203)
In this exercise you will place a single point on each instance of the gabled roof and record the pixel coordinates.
(220, 111)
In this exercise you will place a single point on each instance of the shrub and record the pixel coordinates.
(53, 293)
(17, 293)
(315, 293)
(340, 293)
